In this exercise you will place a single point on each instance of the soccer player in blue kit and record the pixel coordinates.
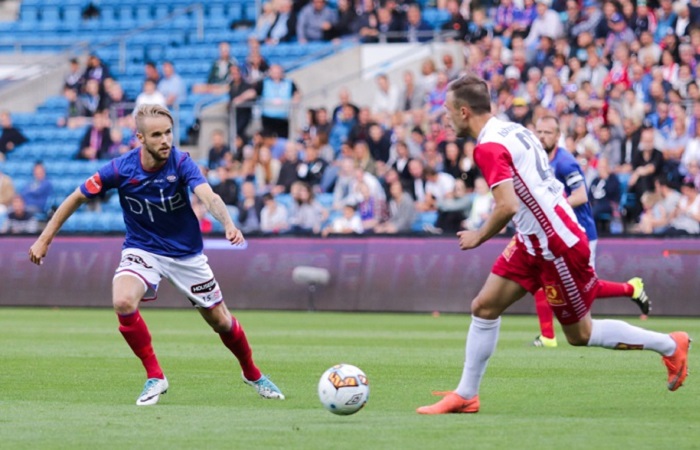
(566, 169)
(163, 240)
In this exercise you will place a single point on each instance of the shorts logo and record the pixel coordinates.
(509, 250)
(205, 287)
(129, 258)
(94, 184)
(554, 295)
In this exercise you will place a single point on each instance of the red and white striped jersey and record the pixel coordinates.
(545, 222)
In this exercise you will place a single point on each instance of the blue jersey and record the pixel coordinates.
(157, 210)
(568, 172)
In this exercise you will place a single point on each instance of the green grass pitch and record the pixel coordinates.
(69, 381)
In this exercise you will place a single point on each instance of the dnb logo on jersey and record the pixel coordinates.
(94, 184)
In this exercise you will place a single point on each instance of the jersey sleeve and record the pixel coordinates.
(495, 163)
(570, 174)
(189, 172)
(106, 178)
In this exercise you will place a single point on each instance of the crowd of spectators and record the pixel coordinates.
(622, 77)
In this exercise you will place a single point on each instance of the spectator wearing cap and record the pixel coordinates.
(620, 33)
(547, 23)
(520, 111)
(514, 82)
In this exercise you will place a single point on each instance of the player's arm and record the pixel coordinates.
(578, 196)
(506, 205)
(212, 201)
(38, 250)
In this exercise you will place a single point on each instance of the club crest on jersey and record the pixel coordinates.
(171, 178)
(554, 295)
(94, 184)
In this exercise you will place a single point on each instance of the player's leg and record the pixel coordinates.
(195, 279)
(232, 335)
(578, 288)
(633, 289)
(137, 279)
(545, 316)
(619, 335)
(495, 297)
(127, 292)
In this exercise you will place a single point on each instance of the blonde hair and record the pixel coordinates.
(150, 110)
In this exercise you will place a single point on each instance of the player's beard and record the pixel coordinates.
(159, 155)
(551, 149)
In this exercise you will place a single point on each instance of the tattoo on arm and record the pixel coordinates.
(218, 209)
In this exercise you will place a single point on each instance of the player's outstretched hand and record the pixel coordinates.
(234, 236)
(37, 252)
(468, 240)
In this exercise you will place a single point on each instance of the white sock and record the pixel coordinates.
(619, 335)
(481, 343)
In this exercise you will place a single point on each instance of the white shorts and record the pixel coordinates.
(593, 245)
(192, 276)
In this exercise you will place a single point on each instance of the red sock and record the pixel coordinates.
(236, 341)
(544, 314)
(611, 289)
(135, 331)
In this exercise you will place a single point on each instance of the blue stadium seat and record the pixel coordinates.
(143, 14)
(29, 14)
(72, 15)
(325, 199)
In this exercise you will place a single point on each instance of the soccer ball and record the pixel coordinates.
(343, 389)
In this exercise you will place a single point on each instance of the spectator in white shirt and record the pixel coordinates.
(348, 223)
(273, 217)
(150, 96)
(547, 23)
(386, 98)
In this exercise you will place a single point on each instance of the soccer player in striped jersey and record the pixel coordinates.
(567, 170)
(163, 240)
(550, 251)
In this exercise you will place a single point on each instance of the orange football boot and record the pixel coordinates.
(677, 363)
(452, 403)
